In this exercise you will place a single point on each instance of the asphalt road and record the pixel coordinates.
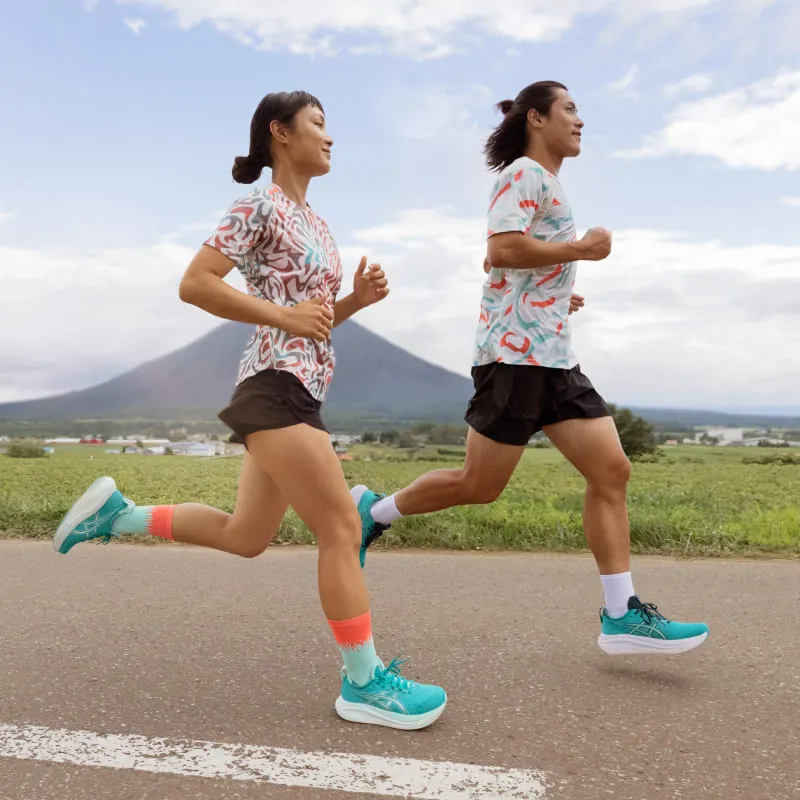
(177, 643)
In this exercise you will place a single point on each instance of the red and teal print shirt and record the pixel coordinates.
(524, 315)
(286, 254)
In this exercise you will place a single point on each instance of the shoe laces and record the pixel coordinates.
(106, 538)
(651, 613)
(392, 676)
(378, 529)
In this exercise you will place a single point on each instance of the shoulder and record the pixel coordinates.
(531, 173)
(262, 198)
(252, 210)
(522, 173)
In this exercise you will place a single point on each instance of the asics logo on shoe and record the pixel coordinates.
(641, 629)
(385, 700)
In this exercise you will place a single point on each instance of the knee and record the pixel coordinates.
(478, 489)
(247, 542)
(251, 546)
(341, 534)
(251, 549)
(613, 477)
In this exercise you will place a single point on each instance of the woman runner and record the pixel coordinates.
(293, 273)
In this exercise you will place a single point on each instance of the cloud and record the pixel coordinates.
(135, 25)
(90, 5)
(679, 321)
(753, 126)
(626, 82)
(5, 216)
(669, 320)
(432, 111)
(432, 29)
(70, 319)
(790, 201)
(699, 82)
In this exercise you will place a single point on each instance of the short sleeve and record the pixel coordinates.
(515, 200)
(244, 227)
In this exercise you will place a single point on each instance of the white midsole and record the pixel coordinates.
(90, 502)
(361, 712)
(627, 644)
(357, 492)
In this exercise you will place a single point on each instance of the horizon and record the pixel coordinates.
(746, 410)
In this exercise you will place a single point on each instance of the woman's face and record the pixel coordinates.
(307, 143)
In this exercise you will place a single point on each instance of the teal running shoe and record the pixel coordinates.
(370, 530)
(645, 630)
(92, 516)
(391, 700)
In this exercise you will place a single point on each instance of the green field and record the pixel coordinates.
(694, 501)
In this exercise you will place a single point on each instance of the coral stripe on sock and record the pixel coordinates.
(160, 522)
(352, 633)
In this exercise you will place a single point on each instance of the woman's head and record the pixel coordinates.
(543, 110)
(287, 127)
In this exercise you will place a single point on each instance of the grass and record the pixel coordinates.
(695, 501)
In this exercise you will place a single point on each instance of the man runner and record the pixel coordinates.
(527, 379)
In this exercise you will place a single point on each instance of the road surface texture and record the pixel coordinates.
(173, 643)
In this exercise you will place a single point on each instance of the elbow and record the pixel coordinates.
(499, 255)
(187, 290)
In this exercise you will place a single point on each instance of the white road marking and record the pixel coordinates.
(344, 772)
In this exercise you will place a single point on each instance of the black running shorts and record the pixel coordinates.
(268, 400)
(513, 402)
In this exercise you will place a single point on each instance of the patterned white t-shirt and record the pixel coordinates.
(286, 255)
(524, 315)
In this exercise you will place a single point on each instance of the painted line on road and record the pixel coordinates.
(344, 772)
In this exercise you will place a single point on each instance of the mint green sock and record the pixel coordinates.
(135, 520)
(360, 662)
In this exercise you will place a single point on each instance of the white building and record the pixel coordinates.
(345, 438)
(198, 449)
(122, 442)
(769, 440)
(722, 435)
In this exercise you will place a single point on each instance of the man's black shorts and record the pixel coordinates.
(513, 402)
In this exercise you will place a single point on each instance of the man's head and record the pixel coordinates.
(543, 118)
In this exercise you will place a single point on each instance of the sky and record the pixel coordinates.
(121, 118)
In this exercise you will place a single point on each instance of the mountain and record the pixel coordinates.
(374, 380)
(376, 384)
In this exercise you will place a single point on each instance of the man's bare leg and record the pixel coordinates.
(593, 447)
(488, 467)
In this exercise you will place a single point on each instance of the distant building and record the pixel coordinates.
(768, 440)
(724, 436)
(128, 440)
(198, 449)
(345, 438)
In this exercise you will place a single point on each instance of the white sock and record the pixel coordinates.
(618, 590)
(385, 511)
